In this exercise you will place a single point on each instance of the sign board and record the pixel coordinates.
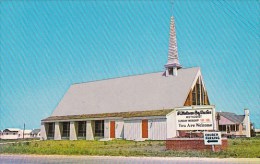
(194, 119)
(212, 138)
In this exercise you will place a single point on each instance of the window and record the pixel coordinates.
(202, 96)
(222, 128)
(232, 127)
(237, 127)
(194, 96)
(99, 128)
(244, 127)
(198, 93)
(206, 100)
(82, 129)
(50, 134)
(65, 130)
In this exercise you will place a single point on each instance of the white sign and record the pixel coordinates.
(212, 138)
(194, 119)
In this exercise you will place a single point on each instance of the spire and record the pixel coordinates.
(173, 60)
(173, 51)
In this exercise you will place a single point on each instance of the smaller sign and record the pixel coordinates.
(212, 138)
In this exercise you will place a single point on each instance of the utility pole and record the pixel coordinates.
(23, 129)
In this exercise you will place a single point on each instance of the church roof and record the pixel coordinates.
(128, 94)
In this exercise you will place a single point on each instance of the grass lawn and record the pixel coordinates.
(17, 140)
(238, 148)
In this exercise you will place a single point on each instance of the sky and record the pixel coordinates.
(48, 45)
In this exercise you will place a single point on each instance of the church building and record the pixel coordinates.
(135, 107)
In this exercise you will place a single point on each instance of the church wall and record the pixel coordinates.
(106, 129)
(133, 129)
(57, 131)
(90, 130)
(43, 131)
(157, 129)
(120, 129)
(171, 125)
(73, 130)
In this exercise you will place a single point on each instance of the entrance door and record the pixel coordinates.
(112, 129)
(144, 128)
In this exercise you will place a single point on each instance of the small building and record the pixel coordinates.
(231, 124)
(257, 132)
(134, 108)
(36, 133)
(10, 133)
(22, 134)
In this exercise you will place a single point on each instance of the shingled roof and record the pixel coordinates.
(127, 94)
(236, 119)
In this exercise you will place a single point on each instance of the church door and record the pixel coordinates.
(112, 129)
(144, 128)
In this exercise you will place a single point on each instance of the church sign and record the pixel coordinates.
(212, 138)
(194, 119)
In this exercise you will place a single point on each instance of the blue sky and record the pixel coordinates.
(48, 45)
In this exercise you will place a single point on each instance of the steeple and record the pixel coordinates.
(173, 61)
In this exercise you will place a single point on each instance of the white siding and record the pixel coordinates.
(73, 130)
(157, 129)
(119, 129)
(133, 129)
(10, 135)
(24, 134)
(106, 129)
(57, 132)
(171, 125)
(90, 130)
(43, 131)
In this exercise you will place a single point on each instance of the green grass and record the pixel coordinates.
(238, 148)
(17, 140)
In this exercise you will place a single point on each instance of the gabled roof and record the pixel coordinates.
(11, 130)
(133, 93)
(114, 115)
(35, 131)
(236, 119)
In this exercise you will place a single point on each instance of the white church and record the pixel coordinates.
(135, 107)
